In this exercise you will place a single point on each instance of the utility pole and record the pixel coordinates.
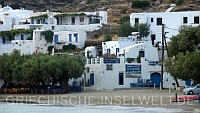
(163, 41)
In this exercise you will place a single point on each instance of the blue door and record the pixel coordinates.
(156, 78)
(56, 39)
(117, 51)
(4, 40)
(32, 21)
(70, 37)
(22, 37)
(76, 37)
(188, 82)
(92, 79)
(43, 21)
(108, 51)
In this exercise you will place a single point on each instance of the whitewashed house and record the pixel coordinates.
(10, 17)
(67, 28)
(171, 20)
(136, 62)
(87, 21)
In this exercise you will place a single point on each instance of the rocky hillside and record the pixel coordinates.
(115, 8)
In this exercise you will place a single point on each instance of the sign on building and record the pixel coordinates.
(125, 38)
(133, 71)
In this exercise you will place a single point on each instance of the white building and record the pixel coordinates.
(114, 73)
(171, 20)
(67, 27)
(39, 43)
(10, 17)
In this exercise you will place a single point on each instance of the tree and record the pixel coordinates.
(125, 29)
(140, 3)
(143, 29)
(183, 48)
(187, 66)
(33, 68)
(187, 40)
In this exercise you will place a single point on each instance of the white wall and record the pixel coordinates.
(104, 16)
(25, 47)
(63, 36)
(109, 79)
(172, 21)
(149, 51)
(112, 45)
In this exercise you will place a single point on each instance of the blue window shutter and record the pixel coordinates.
(32, 21)
(70, 37)
(92, 79)
(76, 37)
(56, 39)
(117, 50)
(108, 51)
(4, 40)
(38, 21)
(43, 21)
(22, 37)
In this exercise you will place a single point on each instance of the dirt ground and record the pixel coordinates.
(132, 97)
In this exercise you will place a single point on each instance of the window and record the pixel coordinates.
(38, 21)
(76, 37)
(73, 20)
(185, 20)
(92, 79)
(22, 37)
(153, 37)
(87, 69)
(121, 78)
(32, 21)
(81, 19)
(70, 37)
(108, 51)
(109, 67)
(55, 39)
(159, 21)
(196, 20)
(53, 27)
(136, 20)
(117, 51)
(97, 21)
(141, 53)
(151, 19)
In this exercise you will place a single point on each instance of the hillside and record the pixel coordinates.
(115, 8)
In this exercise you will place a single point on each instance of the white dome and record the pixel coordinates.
(7, 8)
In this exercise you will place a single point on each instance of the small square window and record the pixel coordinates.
(109, 67)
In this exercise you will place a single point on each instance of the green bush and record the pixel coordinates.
(179, 2)
(125, 19)
(140, 3)
(108, 37)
